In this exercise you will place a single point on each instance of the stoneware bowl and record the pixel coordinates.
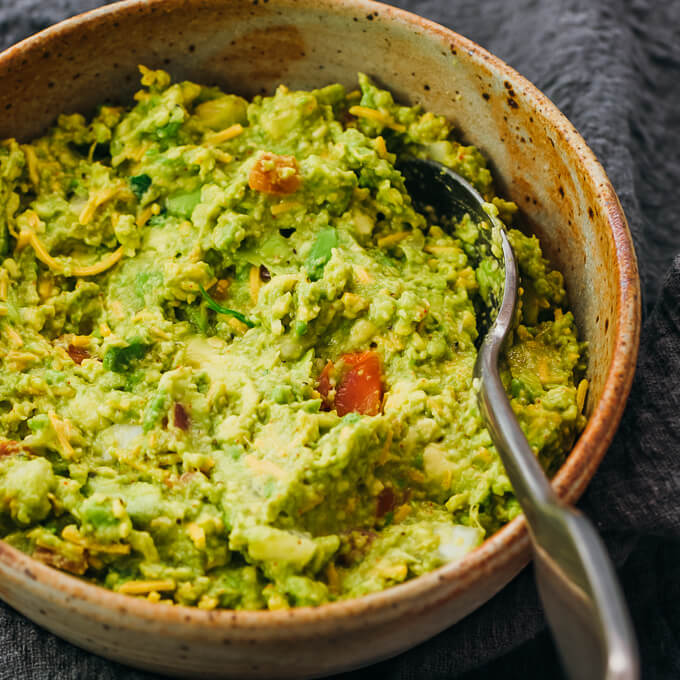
(540, 162)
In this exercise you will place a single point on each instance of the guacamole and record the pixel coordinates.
(237, 363)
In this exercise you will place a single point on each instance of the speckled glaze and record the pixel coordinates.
(541, 162)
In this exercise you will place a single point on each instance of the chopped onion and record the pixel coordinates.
(457, 541)
(124, 435)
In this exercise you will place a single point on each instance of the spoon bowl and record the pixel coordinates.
(438, 191)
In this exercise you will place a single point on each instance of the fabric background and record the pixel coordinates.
(613, 67)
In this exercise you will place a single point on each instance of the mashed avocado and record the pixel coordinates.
(236, 363)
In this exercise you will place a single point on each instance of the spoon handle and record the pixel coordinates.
(576, 580)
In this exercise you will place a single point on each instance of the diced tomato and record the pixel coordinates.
(386, 502)
(273, 174)
(9, 447)
(78, 354)
(181, 417)
(359, 388)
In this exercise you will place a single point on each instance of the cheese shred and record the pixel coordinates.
(58, 267)
(61, 430)
(283, 207)
(581, 392)
(71, 534)
(377, 116)
(32, 164)
(225, 135)
(392, 239)
(254, 283)
(145, 587)
(97, 199)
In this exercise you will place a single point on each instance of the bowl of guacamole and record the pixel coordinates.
(239, 362)
(236, 400)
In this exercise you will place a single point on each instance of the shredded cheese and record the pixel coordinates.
(58, 267)
(145, 216)
(197, 535)
(283, 207)
(254, 283)
(81, 340)
(145, 587)
(61, 430)
(32, 163)
(224, 135)
(97, 199)
(401, 513)
(581, 392)
(71, 534)
(441, 250)
(143, 315)
(379, 145)
(23, 239)
(160, 333)
(392, 239)
(223, 156)
(101, 266)
(377, 116)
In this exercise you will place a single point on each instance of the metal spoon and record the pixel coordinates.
(576, 580)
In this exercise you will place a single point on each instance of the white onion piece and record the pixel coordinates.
(457, 541)
(124, 435)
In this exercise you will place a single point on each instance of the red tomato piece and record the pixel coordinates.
(78, 354)
(9, 447)
(273, 174)
(360, 389)
(181, 417)
(386, 502)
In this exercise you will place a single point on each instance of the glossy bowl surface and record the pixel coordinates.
(539, 160)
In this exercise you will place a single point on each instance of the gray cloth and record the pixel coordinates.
(613, 67)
